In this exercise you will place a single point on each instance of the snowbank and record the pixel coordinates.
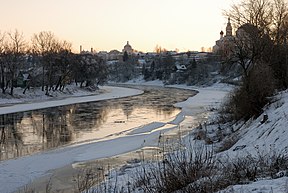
(268, 136)
(206, 99)
(109, 93)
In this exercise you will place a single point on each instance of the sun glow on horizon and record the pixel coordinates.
(107, 25)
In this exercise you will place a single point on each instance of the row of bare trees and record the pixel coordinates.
(49, 62)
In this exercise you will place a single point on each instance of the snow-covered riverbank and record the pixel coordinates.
(262, 140)
(21, 171)
(40, 101)
(253, 137)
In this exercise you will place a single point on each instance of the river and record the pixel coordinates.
(30, 132)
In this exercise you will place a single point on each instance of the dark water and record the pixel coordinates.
(26, 133)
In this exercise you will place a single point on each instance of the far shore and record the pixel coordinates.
(109, 92)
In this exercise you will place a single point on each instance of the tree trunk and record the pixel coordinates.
(46, 89)
(11, 89)
(3, 80)
(58, 83)
(26, 87)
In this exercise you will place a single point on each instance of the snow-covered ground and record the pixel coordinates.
(18, 172)
(270, 135)
(279, 185)
(261, 138)
(254, 137)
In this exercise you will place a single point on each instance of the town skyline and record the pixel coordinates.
(108, 25)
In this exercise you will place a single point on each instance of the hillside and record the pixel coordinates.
(264, 135)
(266, 140)
(242, 157)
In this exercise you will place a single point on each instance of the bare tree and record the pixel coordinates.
(250, 47)
(269, 16)
(15, 50)
(93, 70)
(3, 79)
(64, 64)
(278, 56)
(256, 12)
(55, 59)
(280, 21)
(263, 21)
(45, 44)
(259, 23)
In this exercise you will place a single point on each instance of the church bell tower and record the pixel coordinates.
(229, 28)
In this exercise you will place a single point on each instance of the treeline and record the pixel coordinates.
(47, 62)
(182, 69)
(261, 51)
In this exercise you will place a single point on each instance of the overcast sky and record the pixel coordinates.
(108, 24)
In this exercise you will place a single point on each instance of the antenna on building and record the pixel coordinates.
(80, 48)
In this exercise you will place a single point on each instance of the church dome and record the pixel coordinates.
(127, 45)
(128, 48)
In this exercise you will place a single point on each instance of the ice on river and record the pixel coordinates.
(19, 172)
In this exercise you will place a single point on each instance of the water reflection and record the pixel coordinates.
(29, 132)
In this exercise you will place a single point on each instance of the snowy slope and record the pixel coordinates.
(267, 137)
(272, 134)
(254, 137)
(279, 185)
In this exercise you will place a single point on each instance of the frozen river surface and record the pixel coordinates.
(30, 132)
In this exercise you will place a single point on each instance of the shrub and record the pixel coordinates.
(248, 100)
(199, 171)
(178, 170)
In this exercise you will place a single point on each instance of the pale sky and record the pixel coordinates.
(109, 24)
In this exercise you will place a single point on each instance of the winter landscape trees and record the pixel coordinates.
(45, 61)
(13, 48)
(261, 51)
(48, 62)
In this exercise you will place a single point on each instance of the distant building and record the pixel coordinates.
(103, 55)
(225, 45)
(114, 55)
(128, 48)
